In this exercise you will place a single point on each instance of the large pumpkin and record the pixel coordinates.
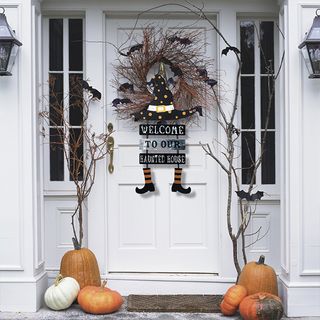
(258, 277)
(81, 265)
(232, 299)
(62, 293)
(261, 306)
(99, 300)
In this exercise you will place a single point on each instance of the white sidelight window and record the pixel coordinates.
(258, 38)
(63, 67)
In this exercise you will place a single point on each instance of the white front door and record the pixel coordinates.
(160, 231)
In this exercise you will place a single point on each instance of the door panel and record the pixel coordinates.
(160, 231)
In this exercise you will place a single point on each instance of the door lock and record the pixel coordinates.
(110, 148)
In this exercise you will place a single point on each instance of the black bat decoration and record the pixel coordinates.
(184, 41)
(171, 81)
(94, 92)
(166, 61)
(176, 71)
(134, 48)
(126, 86)
(250, 197)
(118, 101)
(235, 130)
(203, 72)
(226, 50)
(211, 82)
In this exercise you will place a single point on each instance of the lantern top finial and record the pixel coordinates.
(3, 10)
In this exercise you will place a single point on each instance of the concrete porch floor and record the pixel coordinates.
(75, 313)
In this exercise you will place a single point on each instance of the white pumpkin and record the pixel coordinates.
(62, 293)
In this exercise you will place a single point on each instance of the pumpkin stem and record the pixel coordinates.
(261, 259)
(58, 279)
(104, 283)
(76, 244)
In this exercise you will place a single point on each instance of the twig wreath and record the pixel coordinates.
(188, 87)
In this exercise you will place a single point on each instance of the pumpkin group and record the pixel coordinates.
(261, 306)
(62, 293)
(232, 299)
(258, 277)
(81, 264)
(99, 300)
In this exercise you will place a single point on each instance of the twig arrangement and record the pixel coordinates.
(181, 51)
(82, 148)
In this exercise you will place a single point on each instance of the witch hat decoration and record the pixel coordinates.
(161, 108)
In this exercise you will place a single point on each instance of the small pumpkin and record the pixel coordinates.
(99, 300)
(258, 277)
(62, 293)
(81, 264)
(261, 306)
(231, 300)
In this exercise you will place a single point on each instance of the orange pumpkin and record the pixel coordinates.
(258, 277)
(232, 299)
(261, 306)
(81, 265)
(99, 300)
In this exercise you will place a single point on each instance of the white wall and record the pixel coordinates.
(22, 277)
(301, 206)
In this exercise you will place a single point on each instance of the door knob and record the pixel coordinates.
(110, 148)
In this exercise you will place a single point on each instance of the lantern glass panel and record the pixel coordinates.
(4, 31)
(314, 53)
(5, 51)
(306, 58)
(314, 33)
(13, 56)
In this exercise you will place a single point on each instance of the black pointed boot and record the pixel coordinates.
(176, 186)
(148, 186)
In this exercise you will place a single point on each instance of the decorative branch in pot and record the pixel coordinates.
(70, 133)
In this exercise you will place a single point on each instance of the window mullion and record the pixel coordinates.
(257, 97)
(66, 89)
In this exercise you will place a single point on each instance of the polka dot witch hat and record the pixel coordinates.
(163, 98)
(162, 105)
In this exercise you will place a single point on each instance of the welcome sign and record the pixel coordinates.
(162, 146)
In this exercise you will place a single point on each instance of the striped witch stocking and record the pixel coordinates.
(176, 186)
(148, 186)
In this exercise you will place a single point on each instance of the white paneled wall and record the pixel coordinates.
(265, 225)
(300, 237)
(22, 276)
(58, 230)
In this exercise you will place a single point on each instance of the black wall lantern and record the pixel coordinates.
(9, 46)
(310, 48)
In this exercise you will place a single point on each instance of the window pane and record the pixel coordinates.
(75, 45)
(56, 44)
(76, 154)
(269, 160)
(56, 155)
(267, 104)
(56, 98)
(248, 158)
(247, 46)
(267, 46)
(75, 99)
(247, 103)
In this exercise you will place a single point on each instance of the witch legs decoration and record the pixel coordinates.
(176, 186)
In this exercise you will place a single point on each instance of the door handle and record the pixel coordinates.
(110, 148)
